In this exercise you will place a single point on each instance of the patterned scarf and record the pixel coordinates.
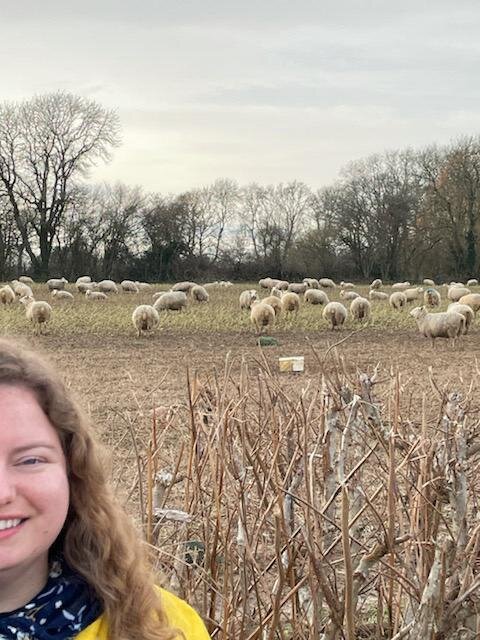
(64, 607)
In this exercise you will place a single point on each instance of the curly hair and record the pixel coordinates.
(98, 539)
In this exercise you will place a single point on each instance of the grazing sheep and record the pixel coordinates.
(262, 316)
(129, 286)
(143, 286)
(82, 287)
(84, 279)
(449, 324)
(314, 296)
(171, 301)
(431, 298)
(290, 302)
(400, 286)
(465, 310)
(7, 295)
(297, 287)
(276, 292)
(26, 280)
(327, 283)
(282, 285)
(413, 294)
(210, 285)
(99, 296)
(184, 286)
(349, 295)
(312, 283)
(473, 282)
(247, 297)
(377, 295)
(267, 283)
(473, 301)
(145, 318)
(347, 285)
(199, 293)
(225, 283)
(376, 284)
(56, 283)
(107, 286)
(455, 293)
(37, 311)
(428, 282)
(360, 308)
(59, 294)
(335, 313)
(21, 289)
(397, 300)
(275, 303)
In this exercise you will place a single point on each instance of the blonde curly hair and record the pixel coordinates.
(98, 539)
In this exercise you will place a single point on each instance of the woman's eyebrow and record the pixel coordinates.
(34, 445)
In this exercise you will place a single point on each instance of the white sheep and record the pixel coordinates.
(327, 283)
(83, 279)
(129, 286)
(431, 298)
(472, 299)
(275, 303)
(183, 286)
(473, 282)
(21, 289)
(349, 295)
(267, 283)
(56, 283)
(428, 282)
(276, 292)
(335, 313)
(347, 285)
(290, 302)
(83, 287)
(449, 324)
(376, 284)
(262, 316)
(377, 295)
(26, 280)
(199, 293)
(98, 296)
(282, 285)
(37, 311)
(59, 294)
(456, 292)
(360, 308)
(413, 294)
(7, 295)
(297, 287)
(107, 286)
(247, 297)
(143, 286)
(315, 296)
(145, 318)
(465, 310)
(401, 286)
(397, 300)
(171, 301)
(312, 283)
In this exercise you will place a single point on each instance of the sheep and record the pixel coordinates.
(314, 296)
(428, 282)
(275, 303)
(290, 302)
(59, 294)
(267, 283)
(199, 293)
(7, 295)
(377, 295)
(82, 287)
(129, 286)
(99, 296)
(297, 287)
(431, 298)
(455, 293)
(171, 301)
(449, 324)
(183, 286)
(145, 318)
(349, 295)
(360, 308)
(276, 292)
(327, 283)
(225, 283)
(347, 285)
(56, 283)
(397, 300)
(335, 313)
(312, 283)
(26, 280)
(83, 279)
(262, 316)
(21, 290)
(465, 310)
(413, 294)
(473, 301)
(210, 285)
(143, 286)
(107, 286)
(37, 311)
(400, 286)
(376, 284)
(473, 282)
(282, 285)
(247, 297)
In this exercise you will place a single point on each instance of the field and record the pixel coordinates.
(204, 364)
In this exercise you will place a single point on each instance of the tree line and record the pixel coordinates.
(397, 214)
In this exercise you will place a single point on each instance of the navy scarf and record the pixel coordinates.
(63, 608)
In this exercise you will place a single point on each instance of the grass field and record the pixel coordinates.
(120, 379)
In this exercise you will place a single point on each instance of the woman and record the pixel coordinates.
(71, 562)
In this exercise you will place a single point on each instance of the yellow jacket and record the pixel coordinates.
(179, 614)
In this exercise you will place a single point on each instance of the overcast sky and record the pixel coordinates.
(264, 91)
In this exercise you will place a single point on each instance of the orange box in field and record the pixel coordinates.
(292, 364)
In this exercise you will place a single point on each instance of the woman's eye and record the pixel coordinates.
(31, 461)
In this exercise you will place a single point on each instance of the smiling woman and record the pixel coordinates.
(71, 562)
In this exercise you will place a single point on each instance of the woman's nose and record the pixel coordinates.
(7, 487)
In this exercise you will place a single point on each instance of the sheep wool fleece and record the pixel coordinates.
(180, 616)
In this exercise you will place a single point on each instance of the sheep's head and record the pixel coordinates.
(26, 300)
(418, 313)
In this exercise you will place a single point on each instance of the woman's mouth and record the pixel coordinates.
(9, 528)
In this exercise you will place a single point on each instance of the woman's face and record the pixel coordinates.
(33, 482)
